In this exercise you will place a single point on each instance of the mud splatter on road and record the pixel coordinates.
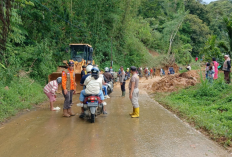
(157, 133)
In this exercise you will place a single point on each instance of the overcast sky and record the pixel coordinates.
(208, 1)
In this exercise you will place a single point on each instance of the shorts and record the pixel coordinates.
(51, 97)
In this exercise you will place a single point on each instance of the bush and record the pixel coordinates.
(21, 93)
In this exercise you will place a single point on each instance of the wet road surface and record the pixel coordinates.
(157, 133)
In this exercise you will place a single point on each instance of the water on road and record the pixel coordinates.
(157, 133)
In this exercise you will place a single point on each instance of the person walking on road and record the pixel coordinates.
(122, 81)
(215, 68)
(127, 74)
(68, 88)
(50, 90)
(151, 73)
(146, 73)
(226, 68)
(134, 92)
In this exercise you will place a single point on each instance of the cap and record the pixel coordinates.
(70, 63)
(226, 56)
(133, 68)
(121, 67)
(83, 66)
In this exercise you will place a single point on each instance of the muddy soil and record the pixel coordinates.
(157, 133)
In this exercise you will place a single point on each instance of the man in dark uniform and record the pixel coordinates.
(122, 81)
(83, 72)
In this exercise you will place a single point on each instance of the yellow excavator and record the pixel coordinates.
(81, 54)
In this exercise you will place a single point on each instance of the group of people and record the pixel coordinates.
(148, 72)
(211, 70)
(93, 82)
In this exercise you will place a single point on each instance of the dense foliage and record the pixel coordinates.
(40, 31)
(35, 34)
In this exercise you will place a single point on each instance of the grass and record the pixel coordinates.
(22, 93)
(208, 106)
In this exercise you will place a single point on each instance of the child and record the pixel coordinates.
(210, 74)
(50, 90)
(206, 70)
(212, 64)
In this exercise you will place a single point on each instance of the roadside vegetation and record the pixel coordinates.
(20, 93)
(207, 106)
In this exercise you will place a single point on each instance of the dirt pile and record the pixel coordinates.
(174, 82)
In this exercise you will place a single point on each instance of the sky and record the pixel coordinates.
(208, 1)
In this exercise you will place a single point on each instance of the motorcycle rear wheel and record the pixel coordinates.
(92, 118)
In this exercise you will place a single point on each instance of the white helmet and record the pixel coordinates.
(89, 68)
(106, 69)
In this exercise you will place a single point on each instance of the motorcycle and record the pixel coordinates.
(92, 106)
(109, 87)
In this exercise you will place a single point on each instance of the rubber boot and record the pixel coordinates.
(123, 94)
(70, 112)
(65, 113)
(136, 115)
(132, 112)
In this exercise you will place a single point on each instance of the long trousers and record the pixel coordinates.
(68, 99)
(227, 76)
(135, 98)
(123, 87)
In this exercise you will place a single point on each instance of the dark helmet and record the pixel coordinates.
(95, 73)
(59, 80)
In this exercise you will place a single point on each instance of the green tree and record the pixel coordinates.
(211, 49)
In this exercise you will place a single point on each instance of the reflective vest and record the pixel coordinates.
(68, 80)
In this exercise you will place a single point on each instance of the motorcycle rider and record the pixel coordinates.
(104, 85)
(68, 88)
(107, 75)
(88, 70)
(93, 85)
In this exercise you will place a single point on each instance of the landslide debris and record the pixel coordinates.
(174, 82)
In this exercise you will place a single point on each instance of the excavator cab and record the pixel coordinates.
(81, 54)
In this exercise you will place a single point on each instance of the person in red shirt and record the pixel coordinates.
(196, 59)
(151, 73)
(68, 88)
